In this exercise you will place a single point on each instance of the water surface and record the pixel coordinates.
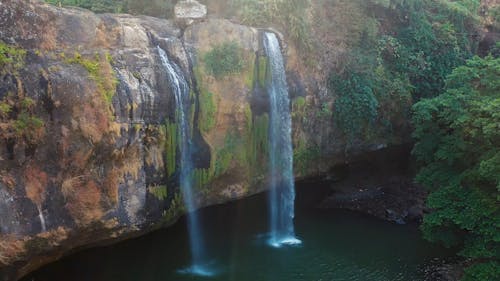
(337, 245)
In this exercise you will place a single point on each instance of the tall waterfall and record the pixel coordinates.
(282, 194)
(181, 91)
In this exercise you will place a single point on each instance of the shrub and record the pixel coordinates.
(11, 58)
(356, 107)
(101, 72)
(224, 59)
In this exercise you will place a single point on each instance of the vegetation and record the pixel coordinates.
(384, 74)
(257, 142)
(457, 137)
(18, 120)
(261, 71)
(289, 15)
(175, 208)
(208, 109)
(157, 8)
(11, 58)
(171, 136)
(304, 155)
(101, 72)
(17, 111)
(224, 59)
(356, 107)
(160, 192)
(200, 178)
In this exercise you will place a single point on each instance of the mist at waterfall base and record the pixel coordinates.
(338, 245)
(180, 88)
(282, 189)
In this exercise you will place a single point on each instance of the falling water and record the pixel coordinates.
(181, 91)
(42, 218)
(282, 194)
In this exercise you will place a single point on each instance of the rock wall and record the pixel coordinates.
(97, 160)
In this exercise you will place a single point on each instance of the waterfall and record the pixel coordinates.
(181, 91)
(282, 189)
(42, 218)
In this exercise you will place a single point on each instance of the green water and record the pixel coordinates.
(337, 245)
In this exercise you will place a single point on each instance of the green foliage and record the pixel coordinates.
(290, 15)
(384, 74)
(159, 191)
(436, 37)
(101, 72)
(171, 136)
(356, 107)
(257, 141)
(324, 112)
(18, 119)
(262, 74)
(299, 108)
(98, 6)
(208, 110)
(226, 154)
(11, 58)
(224, 59)
(303, 156)
(156, 8)
(457, 147)
(175, 208)
(482, 271)
(200, 178)
(5, 109)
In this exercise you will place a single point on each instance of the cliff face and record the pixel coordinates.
(88, 150)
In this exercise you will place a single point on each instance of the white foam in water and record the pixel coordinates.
(286, 241)
(198, 270)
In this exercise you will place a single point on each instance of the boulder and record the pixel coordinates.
(190, 10)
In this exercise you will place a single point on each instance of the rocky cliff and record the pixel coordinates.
(88, 148)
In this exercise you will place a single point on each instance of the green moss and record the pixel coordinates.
(137, 127)
(18, 119)
(11, 58)
(159, 191)
(208, 110)
(258, 143)
(5, 108)
(303, 156)
(25, 122)
(101, 72)
(299, 108)
(262, 71)
(175, 209)
(224, 59)
(224, 156)
(171, 140)
(201, 177)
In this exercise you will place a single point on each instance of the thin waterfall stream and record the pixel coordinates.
(180, 87)
(282, 189)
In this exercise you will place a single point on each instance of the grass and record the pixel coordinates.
(11, 58)
(160, 192)
(101, 72)
(171, 136)
(208, 110)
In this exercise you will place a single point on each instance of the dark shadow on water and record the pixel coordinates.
(337, 245)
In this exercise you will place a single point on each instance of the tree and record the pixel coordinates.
(458, 139)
